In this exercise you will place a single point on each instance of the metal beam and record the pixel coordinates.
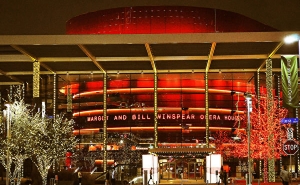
(11, 83)
(26, 53)
(210, 56)
(271, 55)
(31, 56)
(150, 57)
(144, 38)
(22, 58)
(248, 70)
(10, 76)
(91, 56)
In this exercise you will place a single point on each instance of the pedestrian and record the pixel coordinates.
(79, 177)
(113, 177)
(285, 176)
(223, 176)
(122, 175)
(150, 175)
(56, 179)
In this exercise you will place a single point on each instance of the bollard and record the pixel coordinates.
(52, 181)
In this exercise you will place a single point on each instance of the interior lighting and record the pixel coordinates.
(291, 38)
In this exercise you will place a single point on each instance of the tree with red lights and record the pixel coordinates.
(266, 136)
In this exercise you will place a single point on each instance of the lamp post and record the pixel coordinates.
(249, 110)
(8, 136)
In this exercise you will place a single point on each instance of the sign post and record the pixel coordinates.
(290, 147)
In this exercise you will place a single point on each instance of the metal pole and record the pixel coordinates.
(249, 107)
(290, 172)
(8, 136)
(249, 160)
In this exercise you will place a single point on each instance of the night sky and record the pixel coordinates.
(36, 17)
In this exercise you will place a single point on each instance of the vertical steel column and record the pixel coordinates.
(36, 79)
(69, 95)
(297, 116)
(270, 103)
(150, 55)
(23, 91)
(54, 96)
(210, 58)
(206, 110)
(297, 138)
(278, 94)
(104, 122)
(69, 98)
(155, 112)
(259, 113)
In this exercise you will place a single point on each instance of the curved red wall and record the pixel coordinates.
(162, 19)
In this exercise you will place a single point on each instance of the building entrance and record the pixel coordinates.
(181, 169)
(168, 170)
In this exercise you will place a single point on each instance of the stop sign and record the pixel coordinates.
(290, 147)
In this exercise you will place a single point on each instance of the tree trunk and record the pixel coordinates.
(44, 180)
(265, 170)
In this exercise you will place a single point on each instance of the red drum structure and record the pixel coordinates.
(162, 19)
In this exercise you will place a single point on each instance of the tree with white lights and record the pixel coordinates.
(26, 134)
(16, 136)
(54, 138)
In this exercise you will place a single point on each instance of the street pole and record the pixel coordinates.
(249, 109)
(8, 136)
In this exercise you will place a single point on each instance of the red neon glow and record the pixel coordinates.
(164, 128)
(161, 110)
(162, 19)
(151, 90)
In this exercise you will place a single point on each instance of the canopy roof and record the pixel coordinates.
(140, 53)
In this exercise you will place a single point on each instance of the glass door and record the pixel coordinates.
(192, 171)
(168, 170)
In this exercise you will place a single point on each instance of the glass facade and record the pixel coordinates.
(130, 107)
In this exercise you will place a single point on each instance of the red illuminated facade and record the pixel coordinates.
(162, 19)
(180, 96)
(181, 105)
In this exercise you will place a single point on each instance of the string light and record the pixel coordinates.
(105, 121)
(206, 110)
(278, 91)
(155, 112)
(271, 140)
(36, 79)
(54, 96)
(46, 140)
(69, 98)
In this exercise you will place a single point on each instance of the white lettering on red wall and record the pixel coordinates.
(123, 117)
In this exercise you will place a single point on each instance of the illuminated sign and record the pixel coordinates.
(133, 117)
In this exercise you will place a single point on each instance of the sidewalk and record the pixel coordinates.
(236, 182)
